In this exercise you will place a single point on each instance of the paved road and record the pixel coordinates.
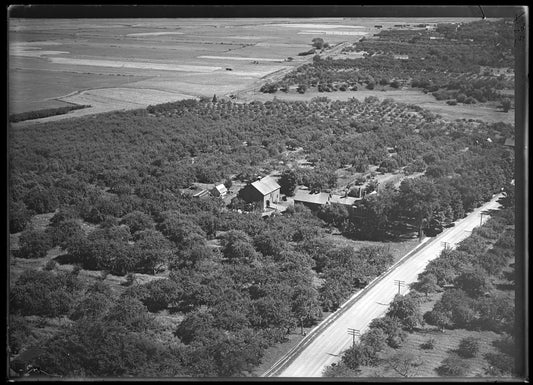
(323, 347)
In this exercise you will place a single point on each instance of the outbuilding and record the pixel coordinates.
(219, 190)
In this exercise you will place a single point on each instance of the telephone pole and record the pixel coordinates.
(400, 285)
(354, 333)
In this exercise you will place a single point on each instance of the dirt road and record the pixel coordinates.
(328, 340)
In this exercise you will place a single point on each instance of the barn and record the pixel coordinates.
(265, 190)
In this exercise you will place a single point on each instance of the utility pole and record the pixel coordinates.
(353, 333)
(400, 285)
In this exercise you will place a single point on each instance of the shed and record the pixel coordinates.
(219, 190)
(313, 201)
(343, 200)
(265, 190)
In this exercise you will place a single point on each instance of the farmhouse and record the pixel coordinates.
(219, 190)
(265, 190)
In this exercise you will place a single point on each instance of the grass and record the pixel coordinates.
(397, 249)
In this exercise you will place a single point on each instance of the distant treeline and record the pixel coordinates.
(45, 113)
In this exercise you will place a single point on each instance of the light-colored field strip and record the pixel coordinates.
(132, 64)
(239, 58)
(246, 37)
(289, 45)
(34, 52)
(342, 33)
(324, 26)
(153, 34)
(124, 95)
(35, 43)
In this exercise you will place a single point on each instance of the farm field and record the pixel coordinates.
(49, 60)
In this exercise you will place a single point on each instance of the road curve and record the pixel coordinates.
(330, 338)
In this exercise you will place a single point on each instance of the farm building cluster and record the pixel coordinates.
(265, 194)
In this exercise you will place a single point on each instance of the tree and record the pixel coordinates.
(305, 305)
(19, 216)
(392, 328)
(375, 339)
(475, 282)
(506, 104)
(238, 248)
(288, 182)
(339, 370)
(359, 355)
(406, 308)
(406, 364)
(427, 283)
(269, 243)
(40, 200)
(190, 257)
(137, 221)
(34, 244)
(66, 233)
(418, 199)
(179, 229)
(43, 293)
(160, 294)
(318, 43)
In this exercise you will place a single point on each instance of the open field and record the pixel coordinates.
(51, 59)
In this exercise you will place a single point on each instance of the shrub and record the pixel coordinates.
(50, 265)
(301, 88)
(468, 347)
(429, 344)
(453, 366)
(395, 84)
(501, 364)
